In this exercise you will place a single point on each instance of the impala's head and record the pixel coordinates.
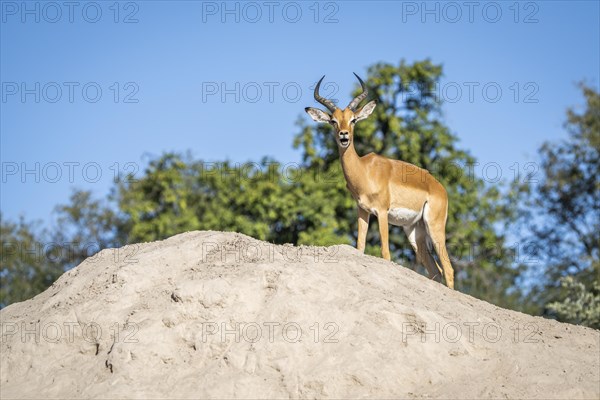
(342, 121)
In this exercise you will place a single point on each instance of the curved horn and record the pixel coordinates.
(326, 102)
(356, 101)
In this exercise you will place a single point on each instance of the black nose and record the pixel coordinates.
(343, 133)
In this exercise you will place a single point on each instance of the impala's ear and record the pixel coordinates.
(318, 115)
(366, 110)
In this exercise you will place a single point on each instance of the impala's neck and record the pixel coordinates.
(348, 155)
(351, 166)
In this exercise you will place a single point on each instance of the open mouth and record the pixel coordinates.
(344, 142)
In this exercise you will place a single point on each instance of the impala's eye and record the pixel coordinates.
(353, 121)
(333, 122)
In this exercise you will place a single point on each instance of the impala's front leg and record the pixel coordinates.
(363, 227)
(382, 218)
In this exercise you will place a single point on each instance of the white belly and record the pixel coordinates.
(403, 216)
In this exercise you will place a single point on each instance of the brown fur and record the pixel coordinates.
(380, 184)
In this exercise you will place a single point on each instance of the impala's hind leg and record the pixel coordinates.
(417, 236)
(436, 231)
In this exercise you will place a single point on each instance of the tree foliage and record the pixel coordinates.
(25, 270)
(579, 304)
(267, 200)
(561, 217)
(32, 258)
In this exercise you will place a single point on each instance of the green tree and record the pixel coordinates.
(32, 258)
(29, 261)
(86, 225)
(579, 303)
(266, 200)
(157, 205)
(407, 125)
(560, 214)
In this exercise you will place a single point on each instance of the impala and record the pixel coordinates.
(396, 192)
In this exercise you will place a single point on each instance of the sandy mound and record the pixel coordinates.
(221, 315)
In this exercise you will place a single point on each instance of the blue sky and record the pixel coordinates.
(161, 67)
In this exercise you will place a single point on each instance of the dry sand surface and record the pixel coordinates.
(222, 315)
